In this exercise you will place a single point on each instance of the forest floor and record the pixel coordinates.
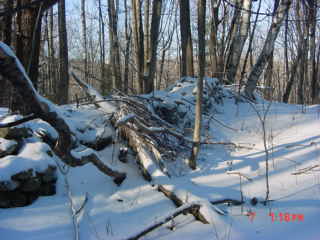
(292, 135)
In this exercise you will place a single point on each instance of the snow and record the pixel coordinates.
(293, 141)
(6, 144)
(32, 156)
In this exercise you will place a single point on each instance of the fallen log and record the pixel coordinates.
(12, 69)
(147, 153)
(187, 208)
(178, 202)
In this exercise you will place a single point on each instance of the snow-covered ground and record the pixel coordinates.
(292, 135)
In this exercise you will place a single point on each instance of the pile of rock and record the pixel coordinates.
(25, 187)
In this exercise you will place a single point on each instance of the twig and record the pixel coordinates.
(82, 205)
(305, 170)
(240, 174)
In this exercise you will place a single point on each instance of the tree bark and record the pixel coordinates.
(238, 41)
(63, 84)
(293, 76)
(154, 38)
(127, 50)
(8, 23)
(264, 56)
(84, 38)
(202, 62)
(186, 40)
(138, 43)
(106, 83)
(114, 45)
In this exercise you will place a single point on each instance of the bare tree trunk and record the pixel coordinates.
(147, 53)
(249, 51)
(6, 26)
(138, 42)
(268, 86)
(84, 38)
(202, 63)
(186, 40)
(213, 43)
(127, 50)
(52, 59)
(26, 22)
(154, 38)
(8, 23)
(114, 48)
(303, 34)
(293, 72)
(63, 84)
(105, 84)
(238, 41)
(264, 56)
(313, 20)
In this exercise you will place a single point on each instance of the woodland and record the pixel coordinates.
(190, 115)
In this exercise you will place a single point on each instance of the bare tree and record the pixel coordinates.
(202, 60)
(186, 40)
(84, 38)
(63, 84)
(264, 56)
(154, 38)
(238, 41)
(127, 50)
(138, 42)
(114, 45)
(105, 84)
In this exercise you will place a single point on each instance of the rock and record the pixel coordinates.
(6, 186)
(31, 185)
(23, 176)
(25, 187)
(47, 189)
(31, 197)
(12, 199)
(49, 175)
(18, 199)
(4, 201)
(7, 147)
(18, 133)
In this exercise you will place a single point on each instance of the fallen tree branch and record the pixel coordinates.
(12, 69)
(187, 208)
(18, 122)
(146, 152)
(149, 130)
(178, 203)
(228, 201)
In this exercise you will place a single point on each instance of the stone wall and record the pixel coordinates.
(25, 187)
